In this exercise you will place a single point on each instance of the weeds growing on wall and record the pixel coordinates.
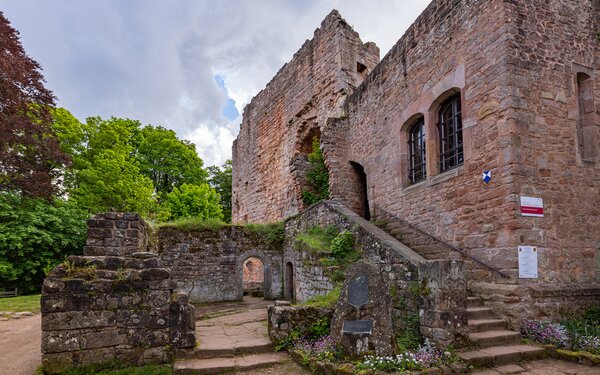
(324, 301)
(317, 239)
(317, 176)
(273, 233)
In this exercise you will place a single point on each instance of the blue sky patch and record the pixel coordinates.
(229, 111)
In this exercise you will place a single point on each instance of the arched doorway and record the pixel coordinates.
(360, 189)
(253, 277)
(289, 282)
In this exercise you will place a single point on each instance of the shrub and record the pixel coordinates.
(324, 301)
(317, 176)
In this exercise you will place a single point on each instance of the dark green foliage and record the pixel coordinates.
(409, 337)
(342, 244)
(273, 234)
(220, 180)
(317, 176)
(36, 235)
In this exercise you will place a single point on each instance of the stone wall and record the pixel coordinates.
(283, 319)
(207, 263)
(397, 262)
(116, 302)
(270, 152)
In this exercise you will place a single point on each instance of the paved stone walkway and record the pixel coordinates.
(233, 337)
(543, 367)
(20, 341)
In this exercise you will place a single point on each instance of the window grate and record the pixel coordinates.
(416, 145)
(451, 137)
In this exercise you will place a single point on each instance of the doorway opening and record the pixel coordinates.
(362, 198)
(253, 277)
(289, 282)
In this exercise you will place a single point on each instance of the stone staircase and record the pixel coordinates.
(494, 345)
(231, 337)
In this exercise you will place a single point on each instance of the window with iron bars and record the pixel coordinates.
(451, 137)
(416, 146)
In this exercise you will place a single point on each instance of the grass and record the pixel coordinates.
(21, 303)
(273, 233)
(211, 224)
(324, 301)
(113, 368)
(317, 239)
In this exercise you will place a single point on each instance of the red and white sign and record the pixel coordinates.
(531, 206)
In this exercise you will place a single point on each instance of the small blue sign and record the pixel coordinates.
(487, 176)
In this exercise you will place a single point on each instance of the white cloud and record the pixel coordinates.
(156, 60)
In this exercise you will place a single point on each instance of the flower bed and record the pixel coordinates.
(323, 356)
(574, 339)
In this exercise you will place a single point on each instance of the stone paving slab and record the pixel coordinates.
(542, 367)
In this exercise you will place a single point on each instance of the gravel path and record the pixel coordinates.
(20, 343)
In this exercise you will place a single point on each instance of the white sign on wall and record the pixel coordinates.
(531, 206)
(528, 262)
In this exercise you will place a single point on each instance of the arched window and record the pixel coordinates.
(451, 138)
(416, 147)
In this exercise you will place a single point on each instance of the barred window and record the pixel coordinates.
(451, 137)
(416, 146)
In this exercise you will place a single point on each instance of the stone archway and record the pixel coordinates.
(253, 277)
(272, 272)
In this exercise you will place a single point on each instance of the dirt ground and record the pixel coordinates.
(20, 345)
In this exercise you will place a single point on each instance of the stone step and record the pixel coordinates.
(482, 325)
(501, 355)
(480, 313)
(227, 364)
(474, 302)
(215, 350)
(495, 338)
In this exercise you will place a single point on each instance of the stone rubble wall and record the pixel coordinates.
(425, 292)
(283, 319)
(270, 152)
(115, 302)
(207, 264)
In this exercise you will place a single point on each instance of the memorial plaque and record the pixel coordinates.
(357, 326)
(358, 291)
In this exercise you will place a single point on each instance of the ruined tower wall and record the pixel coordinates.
(269, 154)
(513, 64)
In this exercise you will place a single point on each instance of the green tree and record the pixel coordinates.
(192, 201)
(168, 161)
(35, 235)
(106, 172)
(317, 176)
(220, 180)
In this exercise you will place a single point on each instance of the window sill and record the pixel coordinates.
(445, 175)
(448, 175)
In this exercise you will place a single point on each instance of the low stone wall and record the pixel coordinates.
(283, 319)
(548, 302)
(207, 264)
(117, 304)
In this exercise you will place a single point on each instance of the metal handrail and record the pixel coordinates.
(375, 207)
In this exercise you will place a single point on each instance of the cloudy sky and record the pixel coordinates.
(189, 65)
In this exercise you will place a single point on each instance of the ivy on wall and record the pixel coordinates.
(317, 176)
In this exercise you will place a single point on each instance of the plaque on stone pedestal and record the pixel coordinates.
(357, 326)
(358, 291)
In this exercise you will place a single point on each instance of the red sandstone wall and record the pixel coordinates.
(513, 66)
(253, 274)
(268, 164)
(556, 40)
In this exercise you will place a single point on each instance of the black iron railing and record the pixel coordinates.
(450, 246)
